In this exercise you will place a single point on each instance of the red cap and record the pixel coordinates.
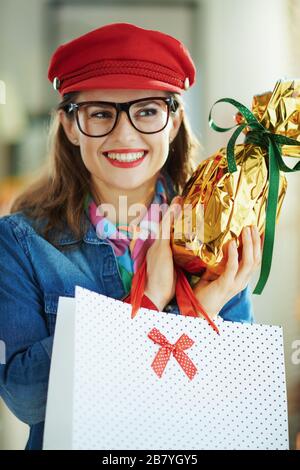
(122, 55)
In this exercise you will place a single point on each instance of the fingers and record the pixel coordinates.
(237, 275)
(168, 219)
(257, 246)
(262, 239)
(247, 253)
(251, 256)
(227, 278)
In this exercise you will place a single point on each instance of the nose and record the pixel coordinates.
(123, 125)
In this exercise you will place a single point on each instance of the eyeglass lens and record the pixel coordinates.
(147, 116)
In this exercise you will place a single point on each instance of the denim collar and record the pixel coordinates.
(66, 237)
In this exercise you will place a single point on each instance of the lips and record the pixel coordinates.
(121, 164)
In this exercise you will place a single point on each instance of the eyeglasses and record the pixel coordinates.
(99, 118)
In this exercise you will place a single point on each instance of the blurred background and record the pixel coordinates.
(240, 49)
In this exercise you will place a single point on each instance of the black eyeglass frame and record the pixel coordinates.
(125, 106)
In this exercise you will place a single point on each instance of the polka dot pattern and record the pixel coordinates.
(236, 400)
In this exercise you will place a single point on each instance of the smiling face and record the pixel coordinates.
(124, 137)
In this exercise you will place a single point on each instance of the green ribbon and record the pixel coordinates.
(262, 137)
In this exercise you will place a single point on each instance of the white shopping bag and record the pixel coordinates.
(225, 391)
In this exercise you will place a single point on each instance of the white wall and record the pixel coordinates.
(243, 53)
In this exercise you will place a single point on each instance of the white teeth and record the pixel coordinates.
(126, 157)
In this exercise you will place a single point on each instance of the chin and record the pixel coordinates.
(127, 182)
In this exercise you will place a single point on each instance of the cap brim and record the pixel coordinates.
(114, 81)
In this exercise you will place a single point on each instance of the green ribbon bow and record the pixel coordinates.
(260, 136)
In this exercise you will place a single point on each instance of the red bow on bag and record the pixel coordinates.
(162, 357)
(187, 302)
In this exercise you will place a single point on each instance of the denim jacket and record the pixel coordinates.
(34, 274)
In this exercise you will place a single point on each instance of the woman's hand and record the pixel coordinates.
(214, 291)
(161, 276)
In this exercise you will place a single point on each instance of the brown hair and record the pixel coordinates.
(57, 195)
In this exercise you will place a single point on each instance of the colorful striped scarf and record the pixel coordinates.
(130, 245)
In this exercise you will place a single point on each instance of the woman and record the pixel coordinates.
(106, 159)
